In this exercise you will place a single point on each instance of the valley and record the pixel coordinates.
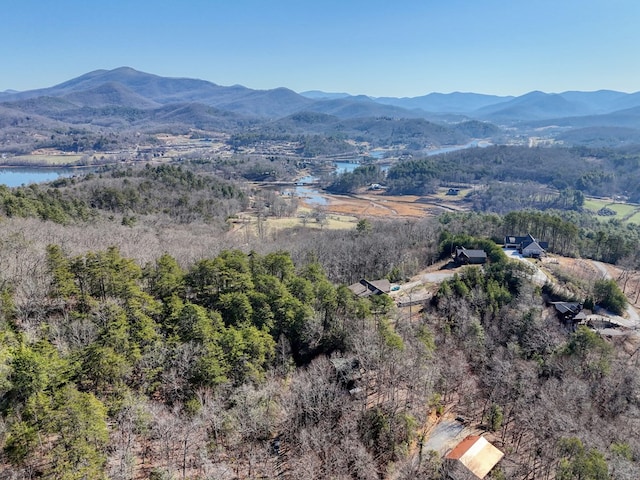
(235, 284)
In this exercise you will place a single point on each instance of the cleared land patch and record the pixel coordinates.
(626, 212)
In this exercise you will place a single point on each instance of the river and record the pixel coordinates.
(314, 196)
(17, 176)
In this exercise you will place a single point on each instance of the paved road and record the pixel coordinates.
(600, 266)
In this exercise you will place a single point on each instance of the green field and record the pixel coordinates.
(627, 212)
(635, 218)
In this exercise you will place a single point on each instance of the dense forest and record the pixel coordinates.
(240, 364)
(143, 336)
(174, 314)
(597, 172)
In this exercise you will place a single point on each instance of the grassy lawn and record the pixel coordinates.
(635, 218)
(625, 211)
(594, 204)
(333, 222)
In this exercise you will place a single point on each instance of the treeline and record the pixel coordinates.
(507, 197)
(417, 177)
(80, 141)
(598, 172)
(44, 202)
(413, 134)
(170, 191)
(361, 176)
(317, 145)
(568, 233)
(17, 134)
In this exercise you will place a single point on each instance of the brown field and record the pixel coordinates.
(344, 211)
(378, 205)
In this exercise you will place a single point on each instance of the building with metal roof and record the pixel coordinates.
(473, 458)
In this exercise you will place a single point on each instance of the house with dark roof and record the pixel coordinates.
(463, 256)
(569, 313)
(473, 458)
(364, 288)
(528, 246)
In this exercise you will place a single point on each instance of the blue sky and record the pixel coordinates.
(374, 47)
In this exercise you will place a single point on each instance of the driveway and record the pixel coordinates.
(446, 435)
(414, 291)
(630, 321)
(633, 320)
(539, 277)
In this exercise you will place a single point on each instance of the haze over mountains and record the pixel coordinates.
(127, 97)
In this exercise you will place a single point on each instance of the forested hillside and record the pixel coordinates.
(156, 348)
(599, 172)
(213, 299)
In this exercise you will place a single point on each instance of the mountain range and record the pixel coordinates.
(126, 97)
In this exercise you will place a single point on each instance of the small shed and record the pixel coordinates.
(473, 458)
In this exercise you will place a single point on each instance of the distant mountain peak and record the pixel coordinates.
(320, 95)
(129, 88)
(125, 69)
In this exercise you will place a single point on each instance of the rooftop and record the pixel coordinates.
(476, 454)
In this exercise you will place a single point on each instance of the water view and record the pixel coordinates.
(346, 166)
(311, 195)
(17, 176)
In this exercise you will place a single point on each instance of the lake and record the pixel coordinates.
(16, 176)
(347, 166)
